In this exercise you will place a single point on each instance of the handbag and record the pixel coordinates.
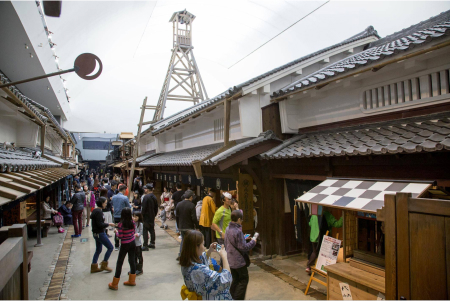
(245, 255)
(58, 220)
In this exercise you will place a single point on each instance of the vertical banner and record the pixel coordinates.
(245, 197)
(23, 210)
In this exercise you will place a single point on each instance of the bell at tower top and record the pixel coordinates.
(182, 28)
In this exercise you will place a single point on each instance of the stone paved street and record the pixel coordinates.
(161, 279)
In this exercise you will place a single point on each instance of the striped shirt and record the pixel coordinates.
(126, 235)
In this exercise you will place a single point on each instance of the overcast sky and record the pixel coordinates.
(134, 38)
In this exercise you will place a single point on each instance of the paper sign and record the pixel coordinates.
(345, 291)
(328, 253)
(23, 210)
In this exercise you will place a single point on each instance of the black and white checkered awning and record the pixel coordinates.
(359, 195)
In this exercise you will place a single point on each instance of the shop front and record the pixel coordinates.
(360, 260)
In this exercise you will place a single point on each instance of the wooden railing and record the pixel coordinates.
(13, 263)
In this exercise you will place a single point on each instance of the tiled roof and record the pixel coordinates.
(145, 157)
(157, 126)
(58, 160)
(368, 32)
(11, 161)
(4, 79)
(268, 135)
(412, 135)
(405, 41)
(183, 157)
(37, 108)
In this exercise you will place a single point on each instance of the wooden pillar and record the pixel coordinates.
(226, 120)
(39, 200)
(20, 230)
(42, 139)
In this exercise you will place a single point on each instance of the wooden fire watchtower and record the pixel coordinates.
(187, 83)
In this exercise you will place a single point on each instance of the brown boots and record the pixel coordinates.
(94, 268)
(114, 284)
(104, 267)
(131, 282)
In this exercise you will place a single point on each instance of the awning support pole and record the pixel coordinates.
(39, 197)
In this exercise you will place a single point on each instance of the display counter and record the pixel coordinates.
(364, 285)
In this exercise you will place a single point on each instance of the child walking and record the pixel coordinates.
(137, 218)
(163, 217)
(126, 234)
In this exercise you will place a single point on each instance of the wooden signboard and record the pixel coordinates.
(245, 197)
(23, 210)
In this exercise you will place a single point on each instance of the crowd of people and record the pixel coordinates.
(101, 202)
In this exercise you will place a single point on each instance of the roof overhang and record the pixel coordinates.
(298, 67)
(19, 184)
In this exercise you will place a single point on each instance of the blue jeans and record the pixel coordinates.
(102, 239)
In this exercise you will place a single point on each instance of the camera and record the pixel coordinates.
(218, 247)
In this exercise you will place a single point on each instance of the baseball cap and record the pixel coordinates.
(227, 195)
(188, 194)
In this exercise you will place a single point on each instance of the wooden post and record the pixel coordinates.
(42, 139)
(226, 120)
(20, 230)
(39, 196)
(390, 230)
(403, 255)
(135, 149)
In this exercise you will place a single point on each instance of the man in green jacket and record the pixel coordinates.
(315, 233)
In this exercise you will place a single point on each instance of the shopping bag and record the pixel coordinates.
(58, 220)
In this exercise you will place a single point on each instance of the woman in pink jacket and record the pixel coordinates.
(88, 204)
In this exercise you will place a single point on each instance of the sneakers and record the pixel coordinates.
(116, 248)
(61, 230)
(144, 249)
(162, 227)
(152, 246)
(75, 235)
(179, 237)
(166, 227)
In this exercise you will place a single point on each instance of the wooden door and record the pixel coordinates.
(423, 248)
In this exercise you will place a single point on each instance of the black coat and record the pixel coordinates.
(78, 201)
(149, 208)
(186, 216)
(98, 222)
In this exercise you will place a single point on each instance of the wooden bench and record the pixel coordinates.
(45, 224)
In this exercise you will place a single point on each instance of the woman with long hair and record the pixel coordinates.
(107, 210)
(98, 231)
(126, 233)
(195, 268)
(47, 212)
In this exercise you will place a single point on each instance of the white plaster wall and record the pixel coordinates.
(342, 101)
(200, 131)
(250, 115)
(8, 129)
(27, 133)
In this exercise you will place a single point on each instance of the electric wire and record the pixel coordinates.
(310, 13)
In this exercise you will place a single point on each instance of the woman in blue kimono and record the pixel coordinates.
(195, 268)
